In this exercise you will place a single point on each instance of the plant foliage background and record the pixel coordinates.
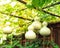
(20, 15)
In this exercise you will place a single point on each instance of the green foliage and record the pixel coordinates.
(54, 44)
(40, 3)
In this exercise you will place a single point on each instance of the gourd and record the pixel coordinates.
(30, 27)
(7, 30)
(36, 24)
(44, 31)
(30, 35)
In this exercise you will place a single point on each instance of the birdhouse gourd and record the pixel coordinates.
(44, 31)
(30, 35)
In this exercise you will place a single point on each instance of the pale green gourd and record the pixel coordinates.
(36, 25)
(7, 30)
(44, 31)
(30, 35)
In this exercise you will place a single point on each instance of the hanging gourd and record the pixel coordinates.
(36, 24)
(30, 35)
(7, 30)
(44, 31)
(31, 27)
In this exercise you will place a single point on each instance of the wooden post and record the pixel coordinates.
(51, 38)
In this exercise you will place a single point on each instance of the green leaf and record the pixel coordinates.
(56, 46)
(38, 3)
(47, 1)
